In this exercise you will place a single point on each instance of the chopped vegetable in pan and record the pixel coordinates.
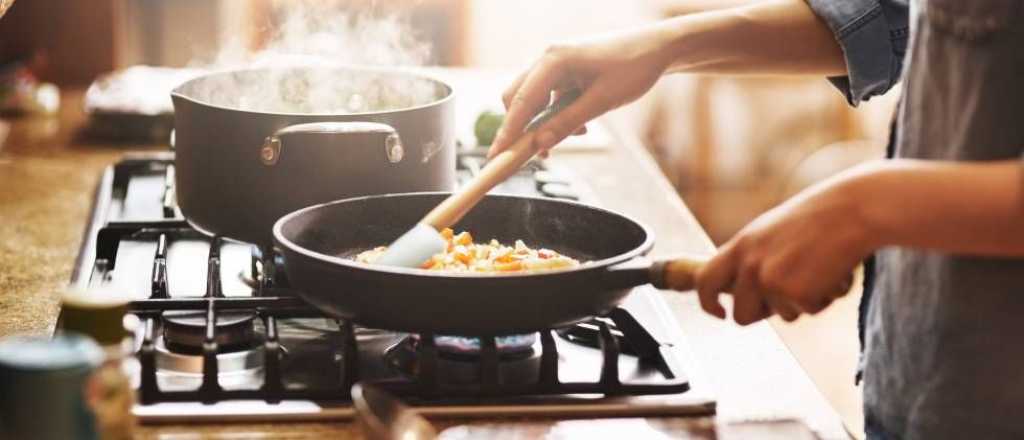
(463, 255)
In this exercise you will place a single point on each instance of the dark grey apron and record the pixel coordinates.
(942, 357)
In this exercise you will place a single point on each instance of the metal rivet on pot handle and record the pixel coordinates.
(393, 148)
(270, 152)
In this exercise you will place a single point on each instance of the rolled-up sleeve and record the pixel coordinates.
(873, 35)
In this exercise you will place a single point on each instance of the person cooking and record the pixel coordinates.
(943, 220)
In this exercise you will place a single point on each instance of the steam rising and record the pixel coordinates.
(302, 69)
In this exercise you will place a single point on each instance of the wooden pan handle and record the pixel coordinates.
(499, 168)
(678, 273)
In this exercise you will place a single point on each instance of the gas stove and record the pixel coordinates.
(222, 337)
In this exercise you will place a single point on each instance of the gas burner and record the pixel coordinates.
(185, 330)
(467, 349)
(517, 367)
(227, 363)
(509, 347)
(178, 371)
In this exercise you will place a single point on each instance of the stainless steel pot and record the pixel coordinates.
(253, 145)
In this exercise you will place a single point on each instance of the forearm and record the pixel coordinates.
(969, 208)
(769, 37)
(672, 8)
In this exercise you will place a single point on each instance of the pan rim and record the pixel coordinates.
(637, 252)
(449, 95)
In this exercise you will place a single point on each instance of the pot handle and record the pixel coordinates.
(273, 145)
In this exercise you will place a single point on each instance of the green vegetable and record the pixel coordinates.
(486, 127)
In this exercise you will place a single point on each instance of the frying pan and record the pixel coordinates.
(319, 242)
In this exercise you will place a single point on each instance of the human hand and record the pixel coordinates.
(4, 6)
(796, 258)
(610, 71)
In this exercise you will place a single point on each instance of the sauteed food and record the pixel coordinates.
(463, 255)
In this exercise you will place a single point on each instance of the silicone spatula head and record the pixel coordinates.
(414, 247)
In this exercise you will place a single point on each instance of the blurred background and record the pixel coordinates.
(733, 147)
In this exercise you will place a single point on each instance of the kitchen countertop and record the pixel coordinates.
(47, 178)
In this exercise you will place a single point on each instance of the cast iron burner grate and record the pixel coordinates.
(351, 357)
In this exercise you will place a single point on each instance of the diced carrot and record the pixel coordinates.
(463, 255)
(447, 233)
(464, 238)
(503, 256)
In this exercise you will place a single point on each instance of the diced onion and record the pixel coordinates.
(463, 255)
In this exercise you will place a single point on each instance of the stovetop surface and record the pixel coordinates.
(293, 363)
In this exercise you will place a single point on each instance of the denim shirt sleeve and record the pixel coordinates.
(873, 35)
